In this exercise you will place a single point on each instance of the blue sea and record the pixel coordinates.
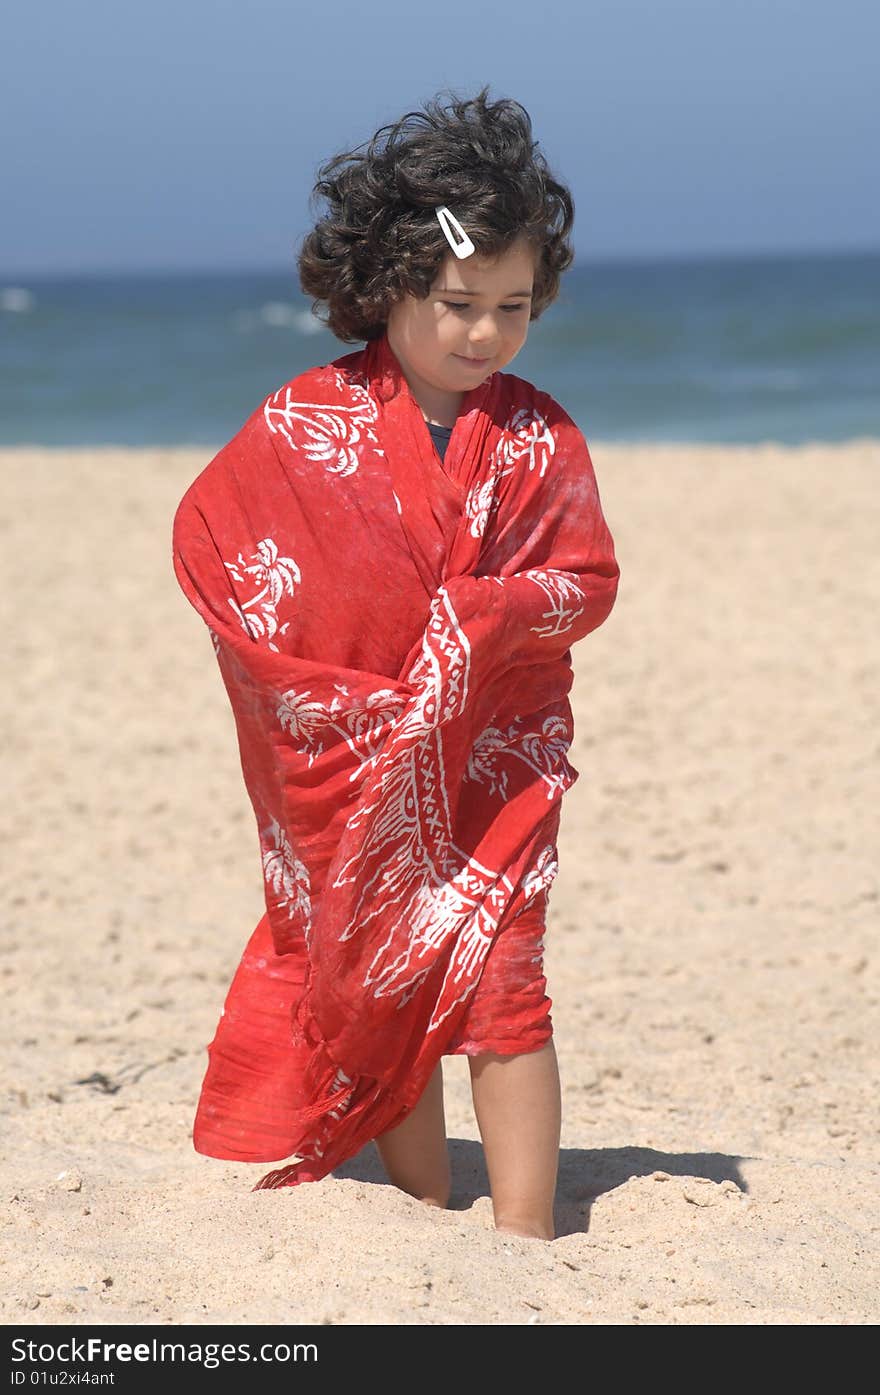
(748, 349)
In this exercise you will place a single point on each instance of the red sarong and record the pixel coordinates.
(394, 633)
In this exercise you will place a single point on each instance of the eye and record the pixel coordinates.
(510, 309)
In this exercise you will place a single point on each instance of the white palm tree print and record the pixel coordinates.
(329, 436)
(482, 763)
(305, 721)
(276, 576)
(363, 723)
(542, 751)
(543, 873)
(529, 436)
(287, 878)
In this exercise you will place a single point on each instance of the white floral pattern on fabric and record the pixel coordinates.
(276, 576)
(363, 728)
(478, 505)
(559, 589)
(409, 872)
(544, 752)
(543, 873)
(329, 436)
(286, 877)
(527, 435)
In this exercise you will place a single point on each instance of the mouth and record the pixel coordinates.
(475, 362)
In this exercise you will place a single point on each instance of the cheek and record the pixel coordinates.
(448, 329)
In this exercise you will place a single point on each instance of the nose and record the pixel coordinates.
(483, 332)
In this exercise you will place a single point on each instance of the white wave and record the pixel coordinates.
(279, 314)
(16, 299)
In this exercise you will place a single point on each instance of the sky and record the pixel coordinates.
(187, 134)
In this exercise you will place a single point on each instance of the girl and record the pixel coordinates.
(394, 556)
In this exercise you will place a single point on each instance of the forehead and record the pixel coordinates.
(510, 271)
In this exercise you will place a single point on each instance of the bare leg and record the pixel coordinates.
(415, 1154)
(518, 1104)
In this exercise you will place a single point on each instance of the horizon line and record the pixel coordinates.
(581, 262)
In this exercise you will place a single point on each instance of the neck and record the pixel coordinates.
(438, 407)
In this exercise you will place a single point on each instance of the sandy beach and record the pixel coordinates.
(711, 949)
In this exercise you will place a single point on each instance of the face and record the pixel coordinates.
(473, 322)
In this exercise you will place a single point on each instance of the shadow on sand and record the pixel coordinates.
(584, 1174)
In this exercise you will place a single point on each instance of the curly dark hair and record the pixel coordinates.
(380, 239)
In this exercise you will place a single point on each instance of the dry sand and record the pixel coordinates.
(711, 950)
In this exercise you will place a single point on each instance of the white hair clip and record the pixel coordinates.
(450, 224)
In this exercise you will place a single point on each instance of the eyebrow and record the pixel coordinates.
(512, 295)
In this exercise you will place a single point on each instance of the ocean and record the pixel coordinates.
(733, 349)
